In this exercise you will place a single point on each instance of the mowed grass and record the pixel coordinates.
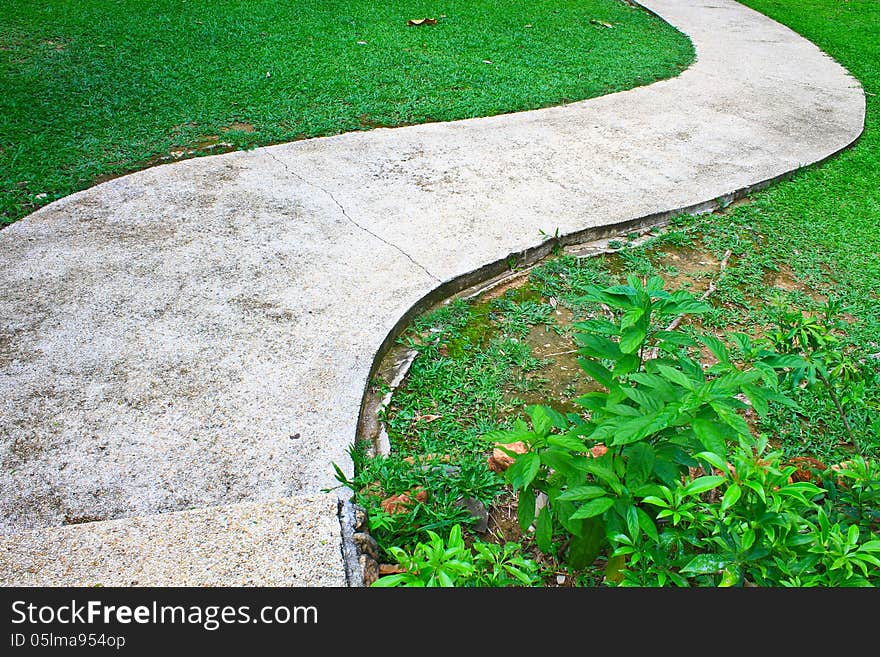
(102, 87)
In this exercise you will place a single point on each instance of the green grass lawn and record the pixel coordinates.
(102, 87)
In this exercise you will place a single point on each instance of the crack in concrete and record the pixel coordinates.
(350, 219)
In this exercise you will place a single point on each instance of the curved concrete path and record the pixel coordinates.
(199, 335)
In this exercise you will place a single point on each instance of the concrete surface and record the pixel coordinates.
(200, 334)
(291, 542)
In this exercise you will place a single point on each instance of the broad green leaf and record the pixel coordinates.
(631, 317)
(702, 484)
(614, 568)
(728, 578)
(705, 564)
(523, 470)
(557, 419)
(731, 418)
(647, 525)
(637, 428)
(639, 464)
(648, 402)
(592, 401)
(544, 530)
(662, 388)
(593, 508)
(747, 539)
(665, 471)
(626, 290)
(675, 337)
(626, 364)
(731, 496)
(758, 488)
(600, 326)
(597, 346)
(567, 442)
(676, 376)
(525, 508)
(646, 489)
(685, 303)
(581, 493)
(623, 410)
(631, 339)
(604, 473)
(631, 516)
(562, 461)
(617, 300)
(785, 360)
(596, 371)
(757, 398)
(392, 580)
(540, 419)
(716, 346)
(586, 545)
(742, 341)
(654, 284)
(713, 459)
(711, 434)
(730, 384)
(799, 489)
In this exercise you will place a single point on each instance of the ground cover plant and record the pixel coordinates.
(698, 409)
(100, 88)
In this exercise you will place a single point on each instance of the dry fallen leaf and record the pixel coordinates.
(600, 23)
(487, 61)
(426, 418)
(421, 21)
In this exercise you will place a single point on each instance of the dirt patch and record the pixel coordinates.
(55, 45)
(503, 524)
(560, 380)
(239, 127)
(785, 279)
(367, 122)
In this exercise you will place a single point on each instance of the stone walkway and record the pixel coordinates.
(183, 351)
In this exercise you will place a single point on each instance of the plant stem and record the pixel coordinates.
(840, 410)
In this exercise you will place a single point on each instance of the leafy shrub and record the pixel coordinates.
(450, 563)
(648, 470)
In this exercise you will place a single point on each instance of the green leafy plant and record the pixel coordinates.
(450, 563)
(660, 413)
(750, 525)
(434, 563)
(825, 360)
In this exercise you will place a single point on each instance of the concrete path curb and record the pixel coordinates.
(200, 334)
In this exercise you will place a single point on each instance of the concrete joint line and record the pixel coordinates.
(345, 214)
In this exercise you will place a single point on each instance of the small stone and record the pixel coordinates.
(401, 503)
(478, 510)
(500, 460)
(366, 544)
(390, 569)
(360, 518)
(369, 569)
